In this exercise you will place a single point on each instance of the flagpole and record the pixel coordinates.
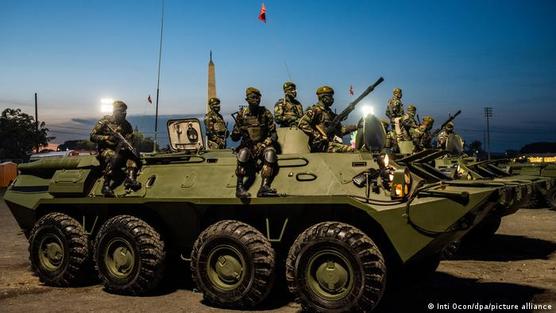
(158, 79)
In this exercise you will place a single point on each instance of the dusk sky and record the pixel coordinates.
(445, 55)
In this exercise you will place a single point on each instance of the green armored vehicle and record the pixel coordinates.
(344, 224)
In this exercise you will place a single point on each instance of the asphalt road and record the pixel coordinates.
(516, 267)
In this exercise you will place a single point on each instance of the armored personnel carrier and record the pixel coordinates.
(343, 225)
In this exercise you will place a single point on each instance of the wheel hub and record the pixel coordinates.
(51, 253)
(329, 274)
(332, 276)
(225, 267)
(119, 258)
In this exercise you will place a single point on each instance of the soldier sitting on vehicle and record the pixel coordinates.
(421, 135)
(394, 110)
(315, 121)
(442, 137)
(254, 125)
(113, 154)
(408, 123)
(217, 132)
(288, 110)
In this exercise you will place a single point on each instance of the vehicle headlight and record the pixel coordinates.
(401, 183)
(386, 160)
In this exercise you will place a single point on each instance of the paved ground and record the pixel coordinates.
(516, 267)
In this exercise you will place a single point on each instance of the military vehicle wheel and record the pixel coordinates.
(551, 198)
(484, 230)
(129, 255)
(536, 201)
(335, 267)
(233, 264)
(58, 250)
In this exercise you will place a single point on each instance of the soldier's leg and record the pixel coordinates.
(243, 159)
(339, 147)
(270, 162)
(107, 159)
(131, 179)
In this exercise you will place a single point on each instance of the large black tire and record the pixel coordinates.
(536, 201)
(59, 250)
(233, 264)
(351, 261)
(130, 255)
(483, 231)
(551, 198)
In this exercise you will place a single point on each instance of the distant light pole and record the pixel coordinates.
(155, 142)
(37, 122)
(488, 115)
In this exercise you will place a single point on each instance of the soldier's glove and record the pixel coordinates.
(259, 148)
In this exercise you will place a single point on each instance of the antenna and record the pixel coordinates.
(158, 79)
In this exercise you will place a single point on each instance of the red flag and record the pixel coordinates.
(262, 14)
(149, 99)
(351, 90)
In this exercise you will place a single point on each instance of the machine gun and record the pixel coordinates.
(125, 144)
(450, 118)
(331, 127)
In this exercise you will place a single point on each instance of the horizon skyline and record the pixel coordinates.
(445, 56)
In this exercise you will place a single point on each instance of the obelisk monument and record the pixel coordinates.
(211, 81)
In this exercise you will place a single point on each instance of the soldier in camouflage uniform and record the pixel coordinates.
(408, 123)
(112, 155)
(316, 120)
(442, 137)
(422, 138)
(288, 111)
(394, 109)
(254, 125)
(217, 132)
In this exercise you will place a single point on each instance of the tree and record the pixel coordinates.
(18, 134)
(142, 143)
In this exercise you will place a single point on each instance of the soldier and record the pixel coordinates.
(408, 123)
(421, 135)
(254, 125)
(288, 111)
(394, 109)
(217, 131)
(442, 137)
(112, 154)
(316, 120)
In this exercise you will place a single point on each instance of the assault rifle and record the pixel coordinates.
(122, 141)
(450, 118)
(332, 126)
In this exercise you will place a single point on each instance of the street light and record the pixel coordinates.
(106, 105)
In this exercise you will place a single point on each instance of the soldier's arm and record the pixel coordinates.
(272, 136)
(236, 131)
(299, 110)
(279, 112)
(127, 131)
(306, 123)
(98, 133)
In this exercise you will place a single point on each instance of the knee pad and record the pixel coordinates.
(244, 155)
(269, 155)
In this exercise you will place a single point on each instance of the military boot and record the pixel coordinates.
(131, 180)
(240, 189)
(266, 190)
(106, 188)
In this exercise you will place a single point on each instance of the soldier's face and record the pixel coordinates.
(327, 99)
(119, 115)
(292, 93)
(253, 99)
(398, 94)
(216, 107)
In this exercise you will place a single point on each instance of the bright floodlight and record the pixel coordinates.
(367, 109)
(106, 105)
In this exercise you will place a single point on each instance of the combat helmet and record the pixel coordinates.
(325, 90)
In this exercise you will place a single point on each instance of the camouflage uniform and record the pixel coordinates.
(288, 111)
(442, 137)
(395, 106)
(110, 152)
(422, 138)
(408, 123)
(217, 132)
(254, 125)
(315, 120)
